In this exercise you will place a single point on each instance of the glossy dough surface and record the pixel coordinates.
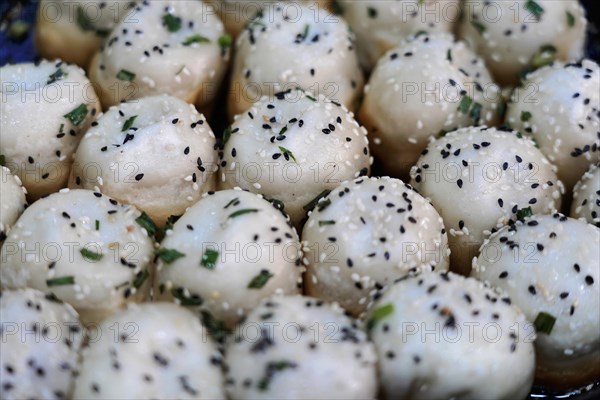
(497, 171)
(447, 336)
(293, 147)
(173, 48)
(512, 35)
(45, 109)
(559, 106)
(366, 234)
(424, 87)
(82, 246)
(236, 248)
(297, 347)
(586, 197)
(41, 338)
(157, 153)
(551, 264)
(154, 350)
(296, 46)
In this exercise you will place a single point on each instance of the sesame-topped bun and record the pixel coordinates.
(366, 234)
(443, 336)
(292, 148)
(295, 46)
(559, 106)
(516, 36)
(83, 247)
(45, 108)
(157, 153)
(480, 179)
(158, 351)
(226, 253)
(550, 267)
(296, 347)
(175, 47)
(381, 25)
(41, 337)
(73, 30)
(424, 87)
(13, 201)
(235, 14)
(586, 197)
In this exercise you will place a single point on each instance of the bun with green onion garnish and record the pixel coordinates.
(164, 47)
(46, 107)
(444, 336)
(82, 247)
(294, 148)
(550, 267)
(295, 45)
(424, 87)
(515, 37)
(157, 153)
(225, 254)
(480, 179)
(559, 107)
(298, 347)
(365, 234)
